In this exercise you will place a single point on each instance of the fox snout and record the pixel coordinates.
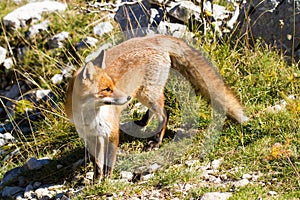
(116, 101)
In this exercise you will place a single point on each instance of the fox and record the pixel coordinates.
(138, 69)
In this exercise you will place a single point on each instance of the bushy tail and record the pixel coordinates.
(200, 72)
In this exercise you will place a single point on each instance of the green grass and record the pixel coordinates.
(258, 75)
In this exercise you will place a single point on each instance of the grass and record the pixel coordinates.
(259, 76)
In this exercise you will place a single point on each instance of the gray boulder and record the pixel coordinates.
(274, 22)
(31, 12)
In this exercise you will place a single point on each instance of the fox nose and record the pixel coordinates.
(128, 98)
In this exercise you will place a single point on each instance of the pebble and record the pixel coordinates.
(126, 175)
(216, 163)
(216, 196)
(102, 28)
(241, 183)
(272, 193)
(246, 176)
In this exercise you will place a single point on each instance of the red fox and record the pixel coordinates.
(137, 68)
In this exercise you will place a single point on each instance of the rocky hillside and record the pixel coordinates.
(254, 46)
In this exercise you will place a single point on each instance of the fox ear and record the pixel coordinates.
(89, 71)
(99, 61)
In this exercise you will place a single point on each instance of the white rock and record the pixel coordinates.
(57, 78)
(41, 94)
(246, 176)
(86, 42)
(147, 177)
(29, 193)
(57, 40)
(37, 28)
(126, 175)
(31, 11)
(241, 183)
(216, 196)
(8, 63)
(3, 52)
(7, 137)
(272, 193)
(102, 28)
(216, 163)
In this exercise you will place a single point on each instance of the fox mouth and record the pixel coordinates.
(115, 101)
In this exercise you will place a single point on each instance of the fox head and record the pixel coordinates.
(96, 85)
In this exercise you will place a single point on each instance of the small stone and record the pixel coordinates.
(216, 196)
(59, 166)
(8, 137)
(33, 163)
(8, 63)
(272, 193)
(36, 185)
(37, 28)
(126, 175)
(246, 176)
(89, 175)
(3, 52)
(102, 28)
(241, 183)
(223, 177)
(41, 94)
(57, 78)
(216, 163)
(11, 191)
(29, 193)
(154, 167)
(87, 42)
(13, 92)
(190, 163)
(147, 177)
(57, 40)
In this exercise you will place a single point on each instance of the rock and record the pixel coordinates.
(34, 164)
(11, 176)
(260, 18)
(216, 163)
(8, 63)
(241, 183)
(87, 42)
(40, 94)
(57, 40)
(37, 28)
(3, 52)
(191, 163)
(147, 177)
(174, 29)
(29, 193)
(272, 193)
(13, 92)
(216, 196)
(134, 18)
(11, 191)
(67, 70)
(44, 193)
(154, 167)
(183, 11)
(102, 28)
(31, 12)
(247, 176)
(7, 137)
(57, 78)
(126, 175)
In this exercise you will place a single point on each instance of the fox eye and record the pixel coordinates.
(107, 89)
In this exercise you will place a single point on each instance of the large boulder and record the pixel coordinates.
(275, 21)
(20, 17)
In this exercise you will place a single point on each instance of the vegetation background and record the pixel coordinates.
(258, 74)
